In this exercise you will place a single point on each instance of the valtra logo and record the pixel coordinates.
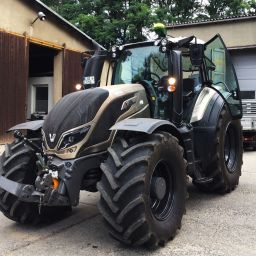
(52, 137)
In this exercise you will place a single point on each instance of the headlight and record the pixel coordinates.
(74, 137)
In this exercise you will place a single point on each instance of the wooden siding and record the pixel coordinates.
(13, 82)
(72, 71)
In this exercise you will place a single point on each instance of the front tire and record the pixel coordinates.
(143, 189)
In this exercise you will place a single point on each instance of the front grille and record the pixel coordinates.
(249, 107)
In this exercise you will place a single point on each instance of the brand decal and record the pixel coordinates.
(52, 137)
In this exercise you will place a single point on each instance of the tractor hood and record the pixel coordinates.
(72, 111)
(79, 124)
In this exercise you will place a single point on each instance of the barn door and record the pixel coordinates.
(13, 82)
(72, 71)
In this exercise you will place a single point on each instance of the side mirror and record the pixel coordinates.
(196, 54)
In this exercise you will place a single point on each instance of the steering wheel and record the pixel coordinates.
(154, 81)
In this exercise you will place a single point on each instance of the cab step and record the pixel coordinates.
(203, 180)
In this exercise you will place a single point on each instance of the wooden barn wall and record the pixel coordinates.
(72, 71)
(13, 82)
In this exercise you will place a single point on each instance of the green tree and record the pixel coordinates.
(225, 8)
(170, 11)
(121, 21)
(111, 22)
(251, 6)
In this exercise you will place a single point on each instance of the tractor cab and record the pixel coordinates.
(162, 73)
(173, 72)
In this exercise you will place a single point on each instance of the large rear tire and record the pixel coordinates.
(226, 164)
(143, 189)
(18, 163)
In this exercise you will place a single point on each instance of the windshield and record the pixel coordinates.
(142, 63)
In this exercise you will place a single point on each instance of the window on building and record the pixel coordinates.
(41, 99)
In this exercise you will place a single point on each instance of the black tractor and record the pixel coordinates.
(152, 114)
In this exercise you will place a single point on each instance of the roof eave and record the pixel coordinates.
(211, 21)
(70, 25)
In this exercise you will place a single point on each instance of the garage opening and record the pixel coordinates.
(40, 87)
(245, 64)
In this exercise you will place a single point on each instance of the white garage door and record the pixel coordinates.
(245, 65)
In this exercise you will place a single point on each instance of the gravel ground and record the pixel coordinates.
(214, 225)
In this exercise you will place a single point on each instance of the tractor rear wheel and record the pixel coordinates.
(226, 164)
(18, 163)
(143, 189)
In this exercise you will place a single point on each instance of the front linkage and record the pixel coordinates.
(46, 190)
(58, 182)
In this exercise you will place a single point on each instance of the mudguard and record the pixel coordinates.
(32, 125)
(205, 129)
(146, 125)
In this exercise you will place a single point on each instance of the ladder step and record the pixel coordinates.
(203, 180)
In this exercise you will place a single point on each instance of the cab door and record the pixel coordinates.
(221, 72)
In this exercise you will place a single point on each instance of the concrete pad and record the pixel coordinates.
(213, 225)
(14, 236)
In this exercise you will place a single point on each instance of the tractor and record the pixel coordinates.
(152, 114)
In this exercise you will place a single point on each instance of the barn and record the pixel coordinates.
(40, 60)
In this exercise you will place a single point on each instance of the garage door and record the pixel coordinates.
(245, 65)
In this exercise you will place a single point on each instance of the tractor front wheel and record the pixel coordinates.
(143, 189)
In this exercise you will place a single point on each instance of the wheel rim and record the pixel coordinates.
(161, 191)
(230, 148)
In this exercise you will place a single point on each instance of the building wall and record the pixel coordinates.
(17, 16)
(235, 33)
